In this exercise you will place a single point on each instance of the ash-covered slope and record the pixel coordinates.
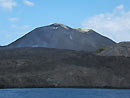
(119, 49)
(41, 67)
(2, 47)
(62, 37)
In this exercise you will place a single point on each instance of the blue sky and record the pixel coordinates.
(109, 17)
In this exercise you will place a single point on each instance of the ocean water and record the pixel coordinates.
(64, 93)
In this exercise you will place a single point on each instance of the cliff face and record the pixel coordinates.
(60, 36)
(119, 49)
(42, 67)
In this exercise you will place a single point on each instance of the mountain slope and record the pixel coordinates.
(42, 67)
(62, 37)
(119, 49)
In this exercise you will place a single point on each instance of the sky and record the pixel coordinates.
(110, 18)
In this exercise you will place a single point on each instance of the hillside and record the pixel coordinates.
(119, 49)
(60, 36)
(43, 67)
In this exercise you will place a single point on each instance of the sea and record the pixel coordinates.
(64, 93)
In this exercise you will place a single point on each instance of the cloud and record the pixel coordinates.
(23, 27)
(115, 25)
(27, 2)
(7, 4)
(13, 19)
(120, 7)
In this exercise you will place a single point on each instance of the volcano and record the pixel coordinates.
(60, 36)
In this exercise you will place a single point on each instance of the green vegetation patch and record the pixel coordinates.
(100, 50)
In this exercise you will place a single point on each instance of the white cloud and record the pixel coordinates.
(7, 4)
(120, 7)
(115, 25)
(13, 19)
(23, 27)
(27, 2)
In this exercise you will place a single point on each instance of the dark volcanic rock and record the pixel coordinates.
(41, 67)
(63, 37)
(2, 47)
(119, 49)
